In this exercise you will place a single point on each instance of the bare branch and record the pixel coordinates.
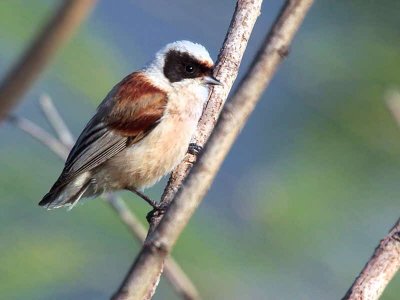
(385, 262)
(393, 103)
(144, 274)
(226, 70)
(41, 135)
(53, 35)
(379, 270)
(127, 217)
(55, 121)
(174, 273)
(180, 281)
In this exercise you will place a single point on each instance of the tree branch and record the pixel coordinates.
(55, 121)
(53, 35)
(385, 262)
(41, 135)
(392, 99)
(379, 270)
(180, 282)
(226, 69)
(143, 276)
(61, 147)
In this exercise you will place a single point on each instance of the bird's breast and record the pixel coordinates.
(157, 154)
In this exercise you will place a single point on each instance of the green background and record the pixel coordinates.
(308, 190)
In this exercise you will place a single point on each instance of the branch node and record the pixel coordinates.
(283, 51)
(157, 246)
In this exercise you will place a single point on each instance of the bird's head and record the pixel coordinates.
(183, 63)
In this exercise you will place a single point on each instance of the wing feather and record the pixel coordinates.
(131, 110)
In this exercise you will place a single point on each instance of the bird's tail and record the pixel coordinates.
(65, 194)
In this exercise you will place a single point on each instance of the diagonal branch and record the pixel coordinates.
(142, 278)
(379, 270)
(393, 104)
(226, 69)
(52, 37)
(180, 282)
(56, 121)
(385, 262)
(41, 135)
(61, 147)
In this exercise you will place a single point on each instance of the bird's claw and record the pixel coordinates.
(158, 210)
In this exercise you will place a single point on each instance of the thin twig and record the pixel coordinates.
(392, 99)
(56, 121)
(127, 217)
(140, 281)
(379, 270)
(54, 34)
(174, 273)
(41, 135)
(385, 262)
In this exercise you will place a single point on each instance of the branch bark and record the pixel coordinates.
(53, 35)
(178, 279)
(226, 69)
(55, 121)
(392, 99)
(61, 147)
(385, 262)
(41, 135)
(142, 279)
(379, 270)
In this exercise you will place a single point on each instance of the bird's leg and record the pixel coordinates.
(153, 203)
(195, 149)
(158, 208)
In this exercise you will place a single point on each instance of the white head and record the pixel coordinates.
(182, 63)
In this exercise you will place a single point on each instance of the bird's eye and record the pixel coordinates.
(189, 69)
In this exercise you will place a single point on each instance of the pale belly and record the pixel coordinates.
(143, 164)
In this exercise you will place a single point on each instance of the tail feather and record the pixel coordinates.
(47, 199)
(74, 200)
(51, 197)
(65, 194)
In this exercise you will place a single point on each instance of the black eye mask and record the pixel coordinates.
(179, 66)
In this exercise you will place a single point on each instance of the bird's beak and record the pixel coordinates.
(211, 80)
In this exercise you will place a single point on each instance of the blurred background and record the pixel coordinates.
(309, 188)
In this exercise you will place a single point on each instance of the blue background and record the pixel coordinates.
(303, 198)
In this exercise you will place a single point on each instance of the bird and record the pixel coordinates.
(141, 130)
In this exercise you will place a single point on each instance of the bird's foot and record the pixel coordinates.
(195, 149)
(157, 211)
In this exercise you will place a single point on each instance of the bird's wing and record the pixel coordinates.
(128, 114)
(95, 145)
